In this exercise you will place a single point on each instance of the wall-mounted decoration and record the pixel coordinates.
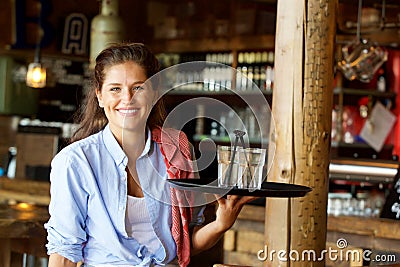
(75, 34)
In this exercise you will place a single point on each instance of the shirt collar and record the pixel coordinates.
(147, 145)
(115, 149)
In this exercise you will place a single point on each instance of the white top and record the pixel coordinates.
(138, 224)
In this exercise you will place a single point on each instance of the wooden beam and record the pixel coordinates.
(301, 108)
(24, 197)
(25, 186)
(22, 190)
(287, 80)
(378, 228)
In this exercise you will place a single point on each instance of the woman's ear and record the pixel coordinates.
(99, 98)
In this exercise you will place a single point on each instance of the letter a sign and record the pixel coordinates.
(75, 34)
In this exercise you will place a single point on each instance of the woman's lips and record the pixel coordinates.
(128, 111)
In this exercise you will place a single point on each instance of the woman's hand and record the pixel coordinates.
(206, 236)
(56, 260)
(229, 209)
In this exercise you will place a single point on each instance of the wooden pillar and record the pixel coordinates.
(5, 252)
(302, 109)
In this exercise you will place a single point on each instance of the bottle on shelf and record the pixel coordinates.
(256, 69)
(106, 27)
(381, 80)
(269, 72)
(218, 77)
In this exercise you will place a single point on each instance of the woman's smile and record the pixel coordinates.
(128, 111)
(126, 100)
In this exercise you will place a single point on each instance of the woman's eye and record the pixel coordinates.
(114, 89)
(138, 88)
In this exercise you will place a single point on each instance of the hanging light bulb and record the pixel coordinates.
(36, 75)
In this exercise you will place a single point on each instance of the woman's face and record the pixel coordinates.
(126, 101)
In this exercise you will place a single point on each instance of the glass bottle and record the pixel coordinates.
(106, 28)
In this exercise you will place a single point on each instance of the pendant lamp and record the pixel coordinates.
(36, 75)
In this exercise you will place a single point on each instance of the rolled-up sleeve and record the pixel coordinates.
(66, 234)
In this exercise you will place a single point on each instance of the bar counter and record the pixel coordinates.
(243, 241)
(23, 211)
(21, 227)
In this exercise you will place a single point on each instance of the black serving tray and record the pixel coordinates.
(268, 189)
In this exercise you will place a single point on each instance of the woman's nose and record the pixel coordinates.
(128, 95)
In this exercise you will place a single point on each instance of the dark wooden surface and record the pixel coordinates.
(22, 220)
(22, 230)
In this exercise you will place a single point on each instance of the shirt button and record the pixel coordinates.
(120, 207)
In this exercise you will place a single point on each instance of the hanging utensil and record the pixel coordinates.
(238, 135)
(361, 58)
(228, 174)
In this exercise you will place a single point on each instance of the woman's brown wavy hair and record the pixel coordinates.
(90, 117)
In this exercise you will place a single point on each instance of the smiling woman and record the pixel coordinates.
(126, 102)
(110, 202)
(92, 119)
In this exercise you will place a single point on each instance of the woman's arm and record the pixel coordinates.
(69, 199)
(204, 237)
(56, 260)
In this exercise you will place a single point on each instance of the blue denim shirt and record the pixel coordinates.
(88, 203)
